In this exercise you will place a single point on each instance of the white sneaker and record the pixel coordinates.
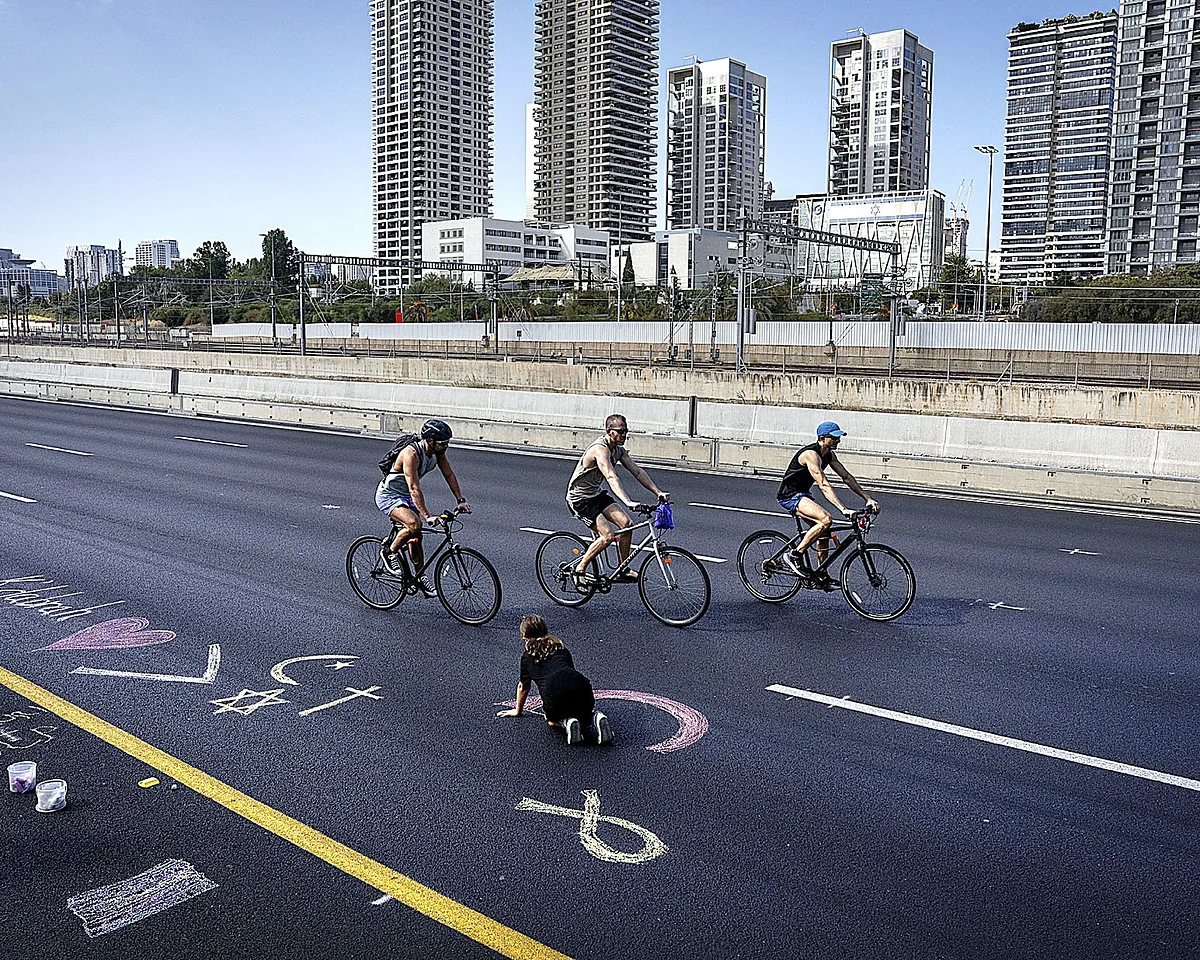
(602, 727)
(571, 729)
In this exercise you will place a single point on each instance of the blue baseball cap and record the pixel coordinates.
(830, 429)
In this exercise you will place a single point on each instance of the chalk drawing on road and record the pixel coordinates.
(341, 661)
(242, 702)
(353, 695)
(589, 821)
(386, 898)
(330, 506)
(16, 737)
(34, 593)
(117, 905)
(113, 635)
(997, 605)
(984, 736)
(692, 723)
(1076, 552)
(209, 675)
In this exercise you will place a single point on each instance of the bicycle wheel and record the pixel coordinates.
(878, 582)
(556, 558)
(368, 579)
(674, 587)
(761, 567)
(467, 585)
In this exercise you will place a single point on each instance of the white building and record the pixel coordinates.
(16, 272)
(595, 110)
(716, 144)
(530, 161)
(513, 244)
(881, 102)
(957, 229)
(1057, 139)
(94, 264)
(693, 255)
(431, 76)
(1154, 199)
(160, 254)
(917, 221)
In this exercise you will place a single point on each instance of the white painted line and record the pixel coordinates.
(117, 905)
(1112, 766)
(219, 443)
(13, 496)
(761, 513)
(42, 446)
(537, 530)
(701, 556)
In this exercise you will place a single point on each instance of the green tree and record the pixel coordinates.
(279, 252)
(210, 261)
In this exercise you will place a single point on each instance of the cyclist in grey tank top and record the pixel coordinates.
(590, 502)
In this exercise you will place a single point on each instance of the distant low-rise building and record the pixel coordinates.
(513, 244)
(17, 273)
(92, 265)
(159, 254)
(692, 256)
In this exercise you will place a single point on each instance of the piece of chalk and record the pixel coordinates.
(148, 782)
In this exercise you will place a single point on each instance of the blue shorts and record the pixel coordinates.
(789, 505)
(386, 502)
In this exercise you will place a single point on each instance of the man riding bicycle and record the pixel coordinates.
(589, 502)
(795, 494)
(399, 495)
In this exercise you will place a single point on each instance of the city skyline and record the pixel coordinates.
(241, 78)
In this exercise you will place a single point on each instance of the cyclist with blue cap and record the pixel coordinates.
(807, 468)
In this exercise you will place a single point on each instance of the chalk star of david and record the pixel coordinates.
(234, 704)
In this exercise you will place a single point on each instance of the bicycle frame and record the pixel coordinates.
(607, 556)
(849, 545)
(447, 528)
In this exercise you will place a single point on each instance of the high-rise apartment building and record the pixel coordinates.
(93, 264)
(595, 109)
(716, 144)
(157, 253)
(1154, 198)
(1057, 138)
(881, 101)
(432, 76)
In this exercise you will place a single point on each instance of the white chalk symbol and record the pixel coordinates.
(241, 702)
(353, 695)
(343, 660)
(1076, 552)
(117, 905)
(209, 675)
(14, 738)
(998, 605)
(590, 819)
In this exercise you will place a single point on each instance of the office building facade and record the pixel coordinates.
(20, 277)
(881, 103)
(1154, 198)
(93, 264)
(159, 254)
(595, 114)
(716, 144)
(513, 244)
(1057, 140)
(432, 92)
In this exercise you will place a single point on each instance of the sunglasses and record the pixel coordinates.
(622, 431)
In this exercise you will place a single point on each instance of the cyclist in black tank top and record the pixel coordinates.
(807, 468)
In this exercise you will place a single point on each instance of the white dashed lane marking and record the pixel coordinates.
(42, 446)
(219, 443)
(1113, 766)
(13, 496)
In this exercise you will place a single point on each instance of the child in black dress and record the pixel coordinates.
(567, 698)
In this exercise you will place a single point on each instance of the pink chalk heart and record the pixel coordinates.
(113, 635)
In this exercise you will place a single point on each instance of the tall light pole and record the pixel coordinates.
(991, 152)
(274, 337)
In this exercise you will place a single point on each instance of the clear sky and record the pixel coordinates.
(217, 120)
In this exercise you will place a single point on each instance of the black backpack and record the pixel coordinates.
(389, 458)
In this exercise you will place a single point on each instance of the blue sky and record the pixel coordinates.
(147, 119)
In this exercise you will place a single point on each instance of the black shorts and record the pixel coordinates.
(588, 510)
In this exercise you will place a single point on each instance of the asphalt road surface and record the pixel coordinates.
(1005, 771)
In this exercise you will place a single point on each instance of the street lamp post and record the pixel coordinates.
(991, 152)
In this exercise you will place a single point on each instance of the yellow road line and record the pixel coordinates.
(480, 928)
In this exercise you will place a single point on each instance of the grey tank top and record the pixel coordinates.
(586, 481)
(396, 484)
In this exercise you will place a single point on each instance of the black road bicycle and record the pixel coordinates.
(464, 579)
(672, 582)
(877, 581)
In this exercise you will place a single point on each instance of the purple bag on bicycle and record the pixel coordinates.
(662, 517)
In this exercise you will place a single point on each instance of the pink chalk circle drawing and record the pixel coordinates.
(113, 635)
(692, 723)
